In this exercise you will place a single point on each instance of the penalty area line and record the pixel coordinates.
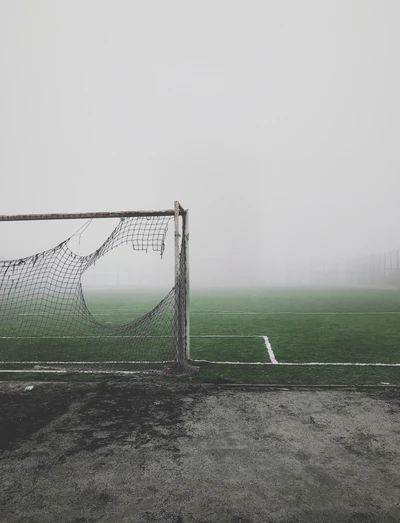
(116, 336)
(270, 351)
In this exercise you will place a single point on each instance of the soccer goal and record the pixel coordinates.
(45, 321)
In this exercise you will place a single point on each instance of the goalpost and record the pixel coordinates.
(44, 317)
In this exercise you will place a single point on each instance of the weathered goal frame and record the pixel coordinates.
(181, 237)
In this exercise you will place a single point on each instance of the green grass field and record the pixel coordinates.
(231, 333)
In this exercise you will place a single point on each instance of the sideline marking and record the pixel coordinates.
(345, 364)
(243, 313)
(195, 361)
(270, 351)
(108, 362)
(298, 364)
(56, 371)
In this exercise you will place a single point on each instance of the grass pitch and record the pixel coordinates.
(316, 336)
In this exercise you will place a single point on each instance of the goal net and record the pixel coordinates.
(45, 320)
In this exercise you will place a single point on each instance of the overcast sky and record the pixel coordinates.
(276, 122)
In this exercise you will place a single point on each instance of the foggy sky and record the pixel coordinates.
(275, 122)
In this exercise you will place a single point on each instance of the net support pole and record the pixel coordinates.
(178, 316)
(187, 293)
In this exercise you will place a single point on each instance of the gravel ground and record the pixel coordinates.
(149, 452)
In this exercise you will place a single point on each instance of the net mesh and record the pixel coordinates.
(44, 315)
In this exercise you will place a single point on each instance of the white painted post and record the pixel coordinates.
(178, 319)
(187, 306)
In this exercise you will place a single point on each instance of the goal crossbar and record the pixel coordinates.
(89, 215)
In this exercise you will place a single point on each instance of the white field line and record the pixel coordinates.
(228, 336)
(57, 371)
(298, 364)
(344, 364)
(108, 362)
(270, 351)
(235, 313)
(119, 336)
(72, 337)
(195, 361)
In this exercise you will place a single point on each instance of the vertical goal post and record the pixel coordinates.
(182, 311)
(144, 231)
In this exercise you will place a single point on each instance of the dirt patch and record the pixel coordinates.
(103, 414)
(24, 412)
(149, 452)
(139, 415)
